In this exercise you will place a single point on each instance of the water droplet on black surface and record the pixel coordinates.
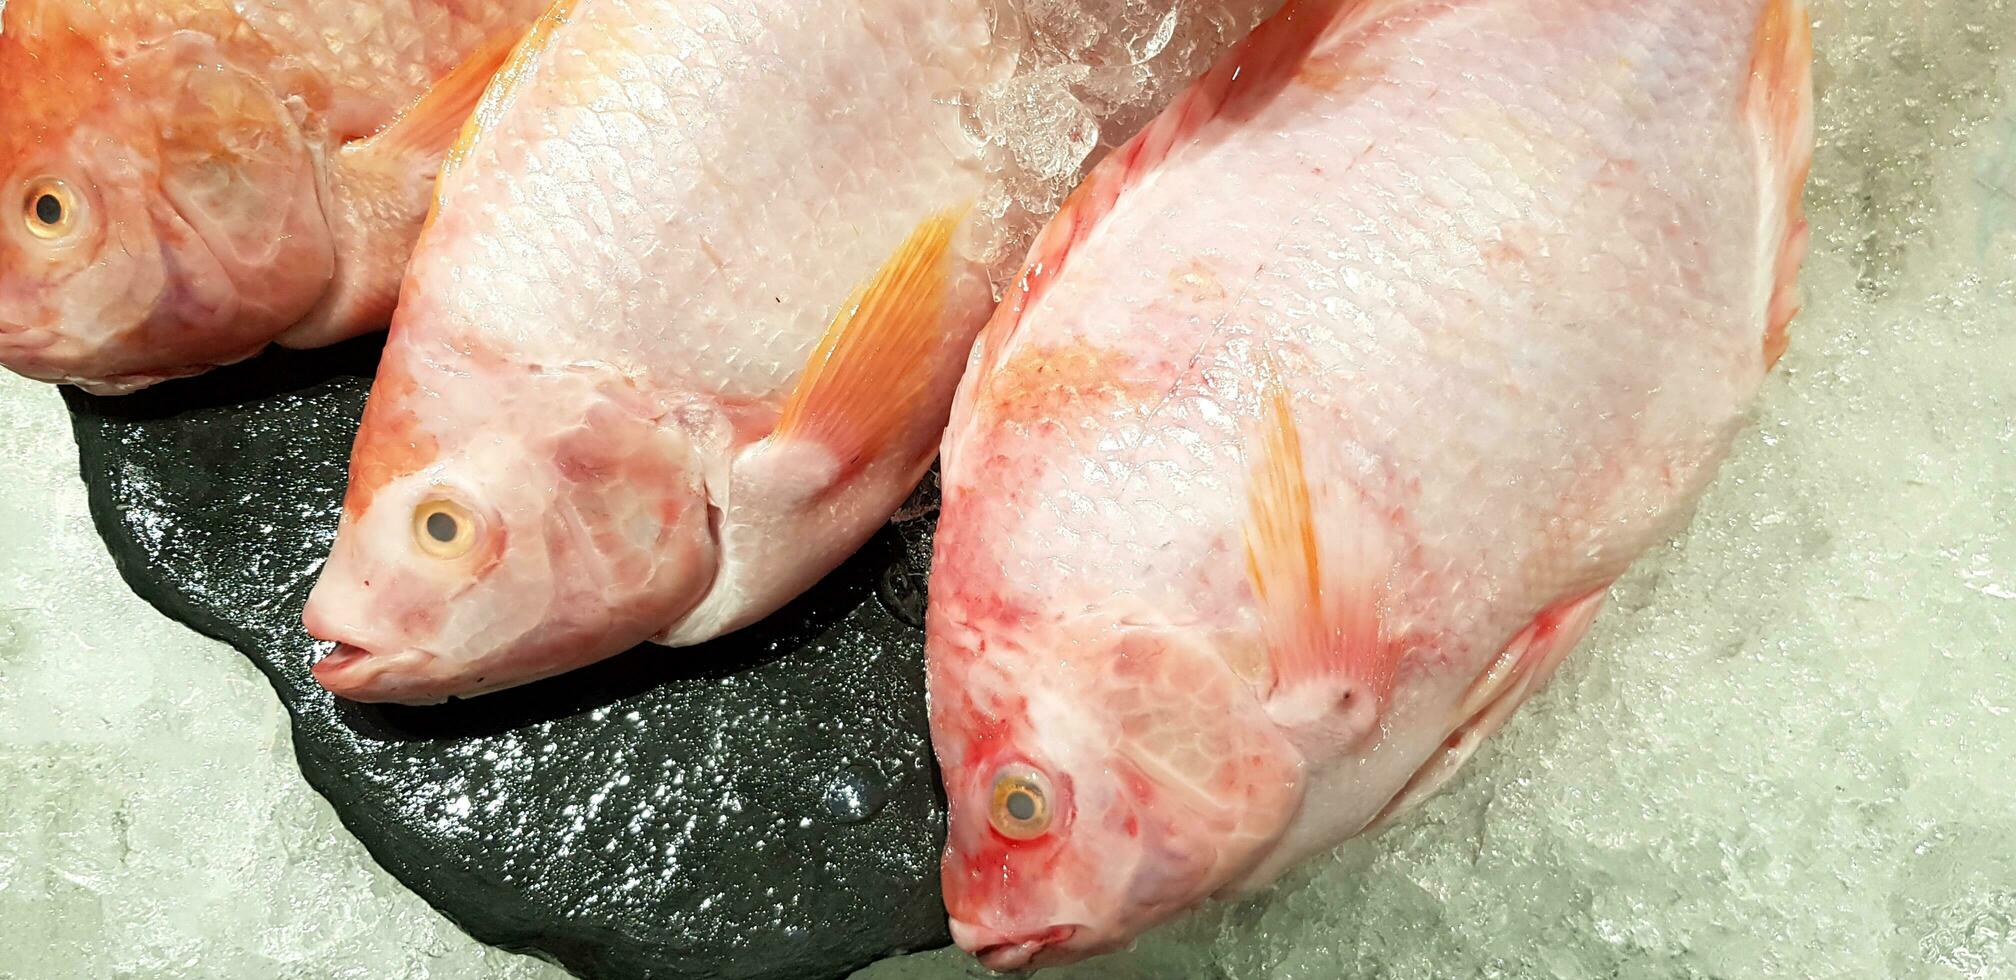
(855, 794)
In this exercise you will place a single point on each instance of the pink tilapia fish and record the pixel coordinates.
(1321, 420)
(682, 335)
(184, 182)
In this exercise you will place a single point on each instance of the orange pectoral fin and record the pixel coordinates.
(866, 379)
(511, 76)
(1318, 564)
(1779, 102)
(423, 134)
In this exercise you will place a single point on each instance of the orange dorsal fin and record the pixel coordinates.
(1246, 78)
(877, 360)
(1779, 103)
(1318, 562)
(423, 134)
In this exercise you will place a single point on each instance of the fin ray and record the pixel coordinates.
(1779, 102)
(426, 130)
(1318, 564)
(511, 77)
(877, 359)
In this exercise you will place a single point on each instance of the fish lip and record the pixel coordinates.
(1012, 953)
(344, 655)
(356, 673)
(25, 341)
(126, 384)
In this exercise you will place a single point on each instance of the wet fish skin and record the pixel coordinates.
(213, 169)
(681, 336)
(1320, 422)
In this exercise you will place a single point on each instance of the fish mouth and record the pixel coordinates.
(22, 352)
(25, 337)
(405, 677)
(1005, 953)
(126, 384)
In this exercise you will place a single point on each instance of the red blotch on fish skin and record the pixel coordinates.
(970, 595)
(1138, 785)
(417, 618)
(990, 731)
(992, 879)
(1503, 254)
(671, 509)
(390, 441)
(984, 872)
(1048, 385)
(1228, 781)
(43, 68)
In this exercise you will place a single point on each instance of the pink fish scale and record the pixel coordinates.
(1503, 263)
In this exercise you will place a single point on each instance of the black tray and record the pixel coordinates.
(771, 813)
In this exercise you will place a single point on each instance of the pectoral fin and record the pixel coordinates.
(866, 379)
(422, 135)
(1318, 560)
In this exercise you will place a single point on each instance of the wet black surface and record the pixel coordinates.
(763, 807)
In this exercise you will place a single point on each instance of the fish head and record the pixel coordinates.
(1100, 779)
(160, 210)
(501, 539)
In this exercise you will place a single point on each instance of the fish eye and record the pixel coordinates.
(50, 209)
(1021, 807)
(444, 529)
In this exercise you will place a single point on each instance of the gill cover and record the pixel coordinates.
(192, 228)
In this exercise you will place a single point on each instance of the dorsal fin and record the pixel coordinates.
(1246, 78)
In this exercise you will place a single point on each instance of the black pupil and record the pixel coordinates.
(1021, 805)
(441, 527)
(48, 209)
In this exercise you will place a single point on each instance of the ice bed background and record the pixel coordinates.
(1785, 751)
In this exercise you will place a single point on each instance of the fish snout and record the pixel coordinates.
(1006, 952)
